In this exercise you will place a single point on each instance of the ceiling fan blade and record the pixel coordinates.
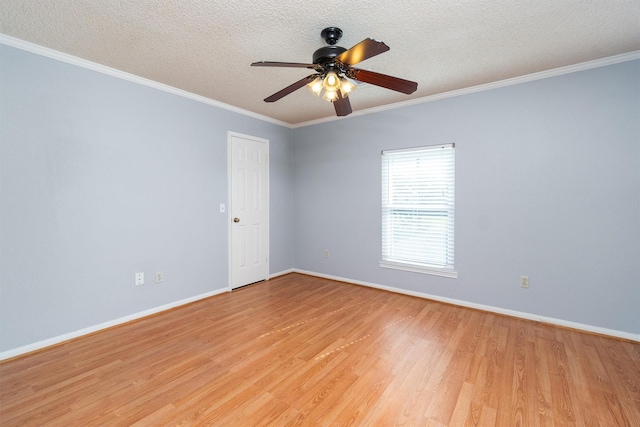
(283, 64)
(383, 80)
(366, 49)
(291, 88)
(342, 105)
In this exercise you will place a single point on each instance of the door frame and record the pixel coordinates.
(230, 135)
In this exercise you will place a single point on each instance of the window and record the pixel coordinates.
(418, 209)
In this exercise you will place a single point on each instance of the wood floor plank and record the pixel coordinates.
(463, 406)
(301, 350)
(447, 389)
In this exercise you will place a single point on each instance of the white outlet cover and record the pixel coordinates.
(139, 279)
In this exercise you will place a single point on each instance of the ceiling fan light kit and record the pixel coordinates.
(331, 84)
(335, 72)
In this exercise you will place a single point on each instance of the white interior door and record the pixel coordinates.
(249, 209)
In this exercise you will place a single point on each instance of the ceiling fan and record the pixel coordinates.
(335, 73)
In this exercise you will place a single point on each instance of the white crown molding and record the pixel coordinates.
(512, 313)
(70, 59)
(603, 62)
(74, 60)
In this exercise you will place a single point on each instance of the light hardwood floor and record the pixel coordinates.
(301, 350)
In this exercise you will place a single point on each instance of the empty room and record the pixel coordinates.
(376, 213)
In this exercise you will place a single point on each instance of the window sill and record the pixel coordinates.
(415, 268)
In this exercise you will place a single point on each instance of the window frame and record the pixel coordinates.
(424, 209)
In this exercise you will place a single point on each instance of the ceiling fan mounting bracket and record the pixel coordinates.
(331, 35)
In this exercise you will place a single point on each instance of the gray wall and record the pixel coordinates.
(547, 185)
(101, 178)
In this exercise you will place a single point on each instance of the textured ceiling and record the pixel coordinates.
(205, 46)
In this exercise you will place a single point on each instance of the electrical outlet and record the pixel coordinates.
(158, 276)
(326, 253)
(139, 279)
(524, 281)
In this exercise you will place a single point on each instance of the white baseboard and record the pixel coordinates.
(543, 319)
(281, 273)
(559, 322)
(91, 329)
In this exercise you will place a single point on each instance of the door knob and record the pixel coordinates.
(236, 219)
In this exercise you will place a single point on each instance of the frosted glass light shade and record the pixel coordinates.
(316, 86)
(332, 81)
(330, 95)
(346, 87)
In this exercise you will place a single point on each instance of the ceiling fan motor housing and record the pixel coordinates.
(326, 54)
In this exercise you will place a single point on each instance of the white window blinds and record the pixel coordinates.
(418, 195)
